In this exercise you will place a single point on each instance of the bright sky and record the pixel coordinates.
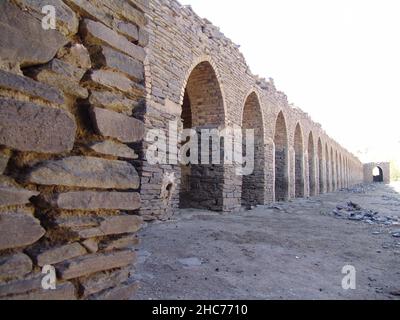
(338, 60)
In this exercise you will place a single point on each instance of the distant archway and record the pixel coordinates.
(281, 159)
(299, 162)
(377, 173)
(253, 185)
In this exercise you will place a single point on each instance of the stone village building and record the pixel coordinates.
(75, 106)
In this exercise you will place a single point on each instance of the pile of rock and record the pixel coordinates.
(359, 189)
(354, 212)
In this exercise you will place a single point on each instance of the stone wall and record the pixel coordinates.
(185, 49)
(383, 167)
(69, 186)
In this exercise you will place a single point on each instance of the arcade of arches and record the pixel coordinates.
(202, 80)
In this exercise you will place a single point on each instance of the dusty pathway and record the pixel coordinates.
(294, 251)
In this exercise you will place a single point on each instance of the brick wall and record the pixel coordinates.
(69, 185)
(181, 45)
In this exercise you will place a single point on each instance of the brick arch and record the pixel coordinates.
(311, 165)
(203, 107)
(281, 158)
(334, 173)
(328, 169)
(321, 172)
(298, 144)
(196, 62)
(337, 176)
(253, 185)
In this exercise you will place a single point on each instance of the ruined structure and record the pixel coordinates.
(194, 72)
(76, 104)
(377, 172)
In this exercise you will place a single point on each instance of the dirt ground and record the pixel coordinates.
(294, 251)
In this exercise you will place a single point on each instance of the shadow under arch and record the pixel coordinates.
(281, 159)
(253, 185)
(299, 161)
(203, 107)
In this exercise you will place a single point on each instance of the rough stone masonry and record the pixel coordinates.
(75, 106)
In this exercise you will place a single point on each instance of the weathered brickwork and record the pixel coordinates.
(69, 186)
(192, 65)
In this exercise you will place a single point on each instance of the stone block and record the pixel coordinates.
(112, 226)
(10, 196)
(121, 243)
(77, 55)
(115, 149)
(3, 162)
(22, 38)
(113, 101)
(64, 83)
(116, 125)
(67, 21)
(93, 263)
(14, 266)
(59, 254)
(107, 57)
(91, 245)
(64, 291)
(87, 172)
(122, 292)
(30, 87)
(103, 280)
(18, 229)
(30, 283)
(95, 200)
(144, 37)
(109, 79)
(96, 33)
(126, 10)
(30, 127)
(129, 30)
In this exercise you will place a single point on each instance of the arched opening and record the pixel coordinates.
(333, 171)
(341, 172)
(201, 183)
(281, 159)
(299, 162)
(253, 185)
(327, 168)
(337, 177)
(320, 166)
(311, 165)
(377, 173)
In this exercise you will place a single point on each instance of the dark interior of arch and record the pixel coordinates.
(253, 185)
(333, 170)
(320, 167)
(328, 182)
(311, 165)
(379, 177)
(281, 160)
(299, 163)
(202, 184)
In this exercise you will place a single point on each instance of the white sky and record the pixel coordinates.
(338, 60)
